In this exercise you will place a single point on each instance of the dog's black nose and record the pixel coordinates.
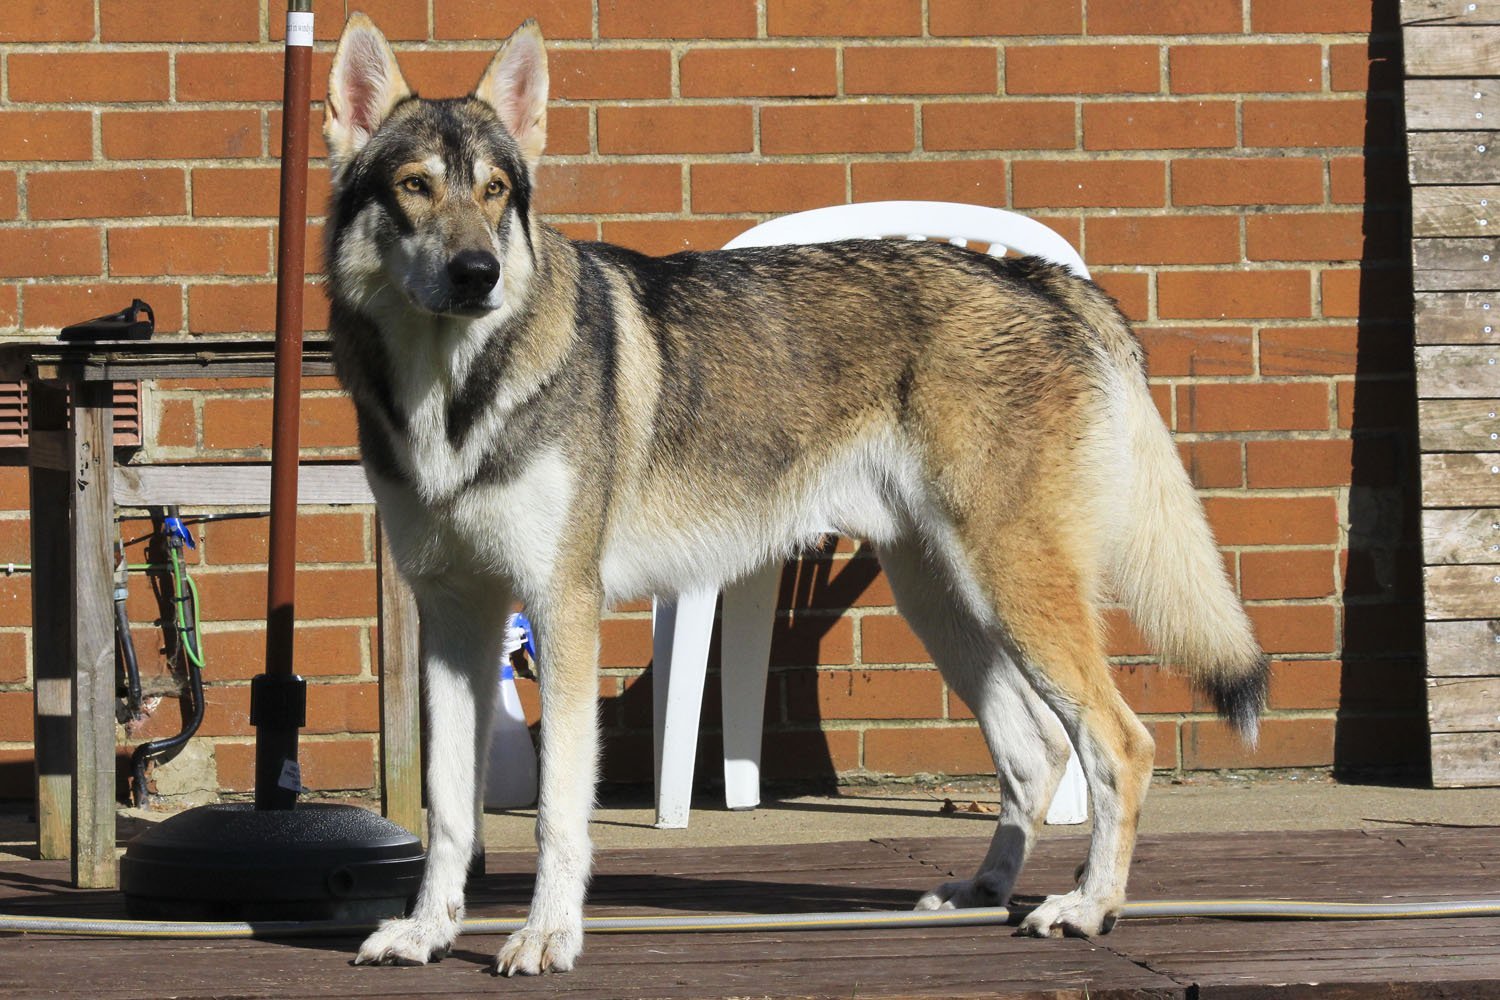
(473, 273)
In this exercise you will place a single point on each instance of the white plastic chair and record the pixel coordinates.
(681, 630)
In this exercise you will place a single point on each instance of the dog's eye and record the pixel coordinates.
(414, 184)
(495, 188)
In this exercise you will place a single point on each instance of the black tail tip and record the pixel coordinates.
(1241, 697)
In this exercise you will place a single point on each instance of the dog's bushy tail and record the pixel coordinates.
(1166, 567)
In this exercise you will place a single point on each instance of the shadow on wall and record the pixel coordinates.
(1381, 729)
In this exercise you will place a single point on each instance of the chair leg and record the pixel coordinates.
(680, 633)
(1070, 803)
(749, 615)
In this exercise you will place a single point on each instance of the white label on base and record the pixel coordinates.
(291, 776)
(299, 28)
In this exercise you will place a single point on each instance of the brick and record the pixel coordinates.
(1300, 464)
(343, 708)
(1273, 520)
(1089, 184)
(601, 188)
(838, 128)
(808, 640)
(1286, 575)
(10, 306)
(888, 639)
(46, 135)
(974, 182)
(13, 658)
(946, 69)
(1233, 294)
(1361, 66)
(1247, 181)
(10, 198)
(89, 77)
(678, 19)
(317, 650)
(175, 250)
(664, 236)
(1371, 404)
(1253, 406)
(249, 192)
(906, 751)
(833, 583)
(167, 135)
(1004, 124)
(1213, 744)
(1164, 17)
(16, 716)
(1157, 239)
(490, 19)
(1151, 689)
(1004, 17)
(1319, 123)
(337, 764)
(176, 424)
(321, 538)
(106, 194)
(696, 128)
(765, 187)
(1376, 179)
(398, 20)
(1210, 350)
(1255, 68)
(864, 694)
(609, 74)
(1327, 16)
(48, 21)
(838, 19)
(1305, 684)
(803, 755)
(50, 307)
(1213, 464)
(450, 72)
(1306, 236)
(188, 21)
(233, 76)
(1294, 628)
(1159, 125)
(1364, 293)
(1330, 350)
(1082, 69)
(757, 72)
(1121, 637)
(625, 642)
(248, 308)
(1130, 290)
(15, 601)
(317, 148)
(49, 252)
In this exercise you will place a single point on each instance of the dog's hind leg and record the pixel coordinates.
(1024, 736)
(568, 659)
(463, 625)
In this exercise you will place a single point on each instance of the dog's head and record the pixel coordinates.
(433, 197)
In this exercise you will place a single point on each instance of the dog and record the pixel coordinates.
(566, 424)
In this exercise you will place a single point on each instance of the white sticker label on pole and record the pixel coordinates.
(291, 776)
(299, 28)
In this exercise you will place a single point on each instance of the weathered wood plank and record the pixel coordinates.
(1453, 157)
(1440, 265)
(1427, 12)
(91, 441)
(400, 696)
(1458, 424)
(1463, 704)
(1450, 372)
(1456, 50)
(1462, 591)
(1463, 648)
(1458, 317)
(1451, 105)
(1461, 536)
(1465, 760)
(235, 485)
(1455, 210)
(1457, 480)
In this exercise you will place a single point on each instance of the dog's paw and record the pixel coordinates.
(407, 941)
(1070, 915)
(531, 951)
(965, 894)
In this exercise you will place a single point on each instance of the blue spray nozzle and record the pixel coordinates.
(528, 642)
(174, 528)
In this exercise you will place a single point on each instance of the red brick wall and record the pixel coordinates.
(1230, 169)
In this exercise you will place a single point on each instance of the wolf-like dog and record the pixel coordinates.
(568, 424)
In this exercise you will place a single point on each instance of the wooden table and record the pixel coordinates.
(75, 488)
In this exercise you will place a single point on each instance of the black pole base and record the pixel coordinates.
(234, 862)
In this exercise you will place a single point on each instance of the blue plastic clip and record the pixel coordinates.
(174, 528)
(523, 623)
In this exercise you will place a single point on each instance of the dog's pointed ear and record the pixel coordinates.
(515, 85)
(363, 87)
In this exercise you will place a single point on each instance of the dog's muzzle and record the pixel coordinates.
(473, 274)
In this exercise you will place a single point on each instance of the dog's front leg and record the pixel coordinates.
(568, 659)
(462, 635)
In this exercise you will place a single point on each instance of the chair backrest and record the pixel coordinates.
(957, 223)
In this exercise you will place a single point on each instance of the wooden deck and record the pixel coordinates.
(1196, 958)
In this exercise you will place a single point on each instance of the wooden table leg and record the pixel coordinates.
(91, 444)
(400, 696)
